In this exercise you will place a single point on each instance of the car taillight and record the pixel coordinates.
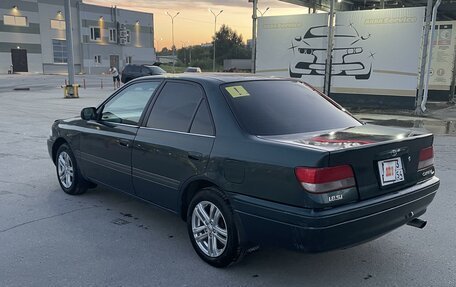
(426, 157)
(327, 179)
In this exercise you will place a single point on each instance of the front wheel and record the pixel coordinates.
(67, 172)
(212, 228)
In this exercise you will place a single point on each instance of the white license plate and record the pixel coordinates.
(391, 171)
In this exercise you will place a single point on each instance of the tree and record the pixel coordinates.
(229, 45)
(165, 52)
(197, 56)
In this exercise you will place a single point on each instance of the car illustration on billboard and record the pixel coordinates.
(349, 58)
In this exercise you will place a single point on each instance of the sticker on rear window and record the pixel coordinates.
(237, 91)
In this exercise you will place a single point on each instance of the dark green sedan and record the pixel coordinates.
(247, 161)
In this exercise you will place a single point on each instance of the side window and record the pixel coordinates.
(127, 106)
(202, 123)
(175, 107)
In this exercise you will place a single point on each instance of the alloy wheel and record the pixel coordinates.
(209, 229)
(65, 169)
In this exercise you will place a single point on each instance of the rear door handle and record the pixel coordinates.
(122, 142)
(195, 155)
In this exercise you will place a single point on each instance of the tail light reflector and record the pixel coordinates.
(327, 179)
(426, 157)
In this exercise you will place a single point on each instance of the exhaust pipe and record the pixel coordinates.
(418, 223)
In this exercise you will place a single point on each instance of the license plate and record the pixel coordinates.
(391, 171)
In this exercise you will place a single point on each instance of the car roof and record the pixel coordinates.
(219, 78)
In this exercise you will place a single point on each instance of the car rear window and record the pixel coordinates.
(275, 107)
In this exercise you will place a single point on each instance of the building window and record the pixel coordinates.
(113, 35)
(97, 59)
(15, 20)
(95, 34)
(58, 24)
(127, 36)
(128, 60)
(60, 51)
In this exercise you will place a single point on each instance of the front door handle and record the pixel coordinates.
(123, 142)
(195, 155)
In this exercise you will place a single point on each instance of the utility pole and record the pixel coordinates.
(424, 55)
(172, 35)
(254, 29)
(327, 88)
(215, 34)
(429, 58)
(69, 42)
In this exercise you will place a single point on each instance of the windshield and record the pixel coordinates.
(273, 107)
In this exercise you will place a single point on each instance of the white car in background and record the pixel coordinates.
(193, 70)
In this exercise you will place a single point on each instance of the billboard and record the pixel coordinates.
(278, 43)
(375, 51)
(443, 53)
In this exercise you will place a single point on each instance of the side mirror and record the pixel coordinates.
(89, 113)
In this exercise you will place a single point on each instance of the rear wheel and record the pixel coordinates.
(67, 172)
(212, 228)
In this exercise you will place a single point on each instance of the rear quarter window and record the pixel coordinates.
(275, 107)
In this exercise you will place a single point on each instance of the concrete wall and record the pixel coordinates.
(238, 64)
(49, 10)
(37, 37)
(140, 48)
(12, 37)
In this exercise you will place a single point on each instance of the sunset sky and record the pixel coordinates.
(195, 24)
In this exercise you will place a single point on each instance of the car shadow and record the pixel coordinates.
(268, 264)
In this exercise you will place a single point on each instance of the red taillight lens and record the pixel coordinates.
(321, 180)
(426, 157)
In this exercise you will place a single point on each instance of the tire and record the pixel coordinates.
(68, 175)
(222, 227)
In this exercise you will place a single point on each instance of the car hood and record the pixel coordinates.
(345, 138)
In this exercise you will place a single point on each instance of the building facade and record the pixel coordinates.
(33, 37)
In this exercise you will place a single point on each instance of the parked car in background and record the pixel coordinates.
(132, 71)
(193, 70)
(248, 160)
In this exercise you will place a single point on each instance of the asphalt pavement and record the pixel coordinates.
(105, 238)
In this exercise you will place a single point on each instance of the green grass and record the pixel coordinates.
(180, 69)
(169, 68)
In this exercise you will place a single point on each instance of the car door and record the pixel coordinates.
(175, 143)
(106, 143)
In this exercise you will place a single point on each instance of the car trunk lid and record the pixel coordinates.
(371, 150)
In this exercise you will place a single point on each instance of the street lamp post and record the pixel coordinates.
(264, 12)
(215, 34)
(172, 35)
(69, 42)
(254, 28)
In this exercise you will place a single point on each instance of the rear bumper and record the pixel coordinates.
(321, 230)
